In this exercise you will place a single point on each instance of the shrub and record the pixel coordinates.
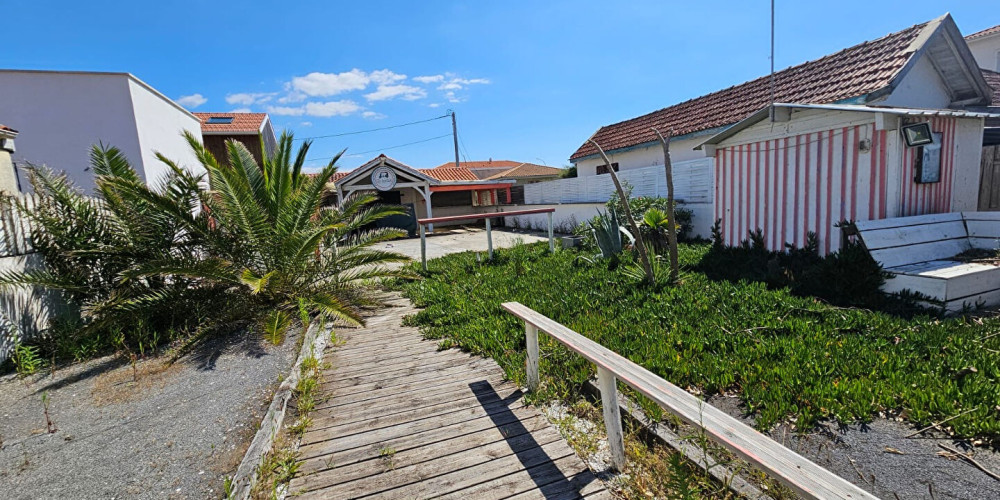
(180, 260)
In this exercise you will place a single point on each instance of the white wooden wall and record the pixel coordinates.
(692, 184)
(15, 229)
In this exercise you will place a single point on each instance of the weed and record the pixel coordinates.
(49, 425)
(26, 359)
(386, 454)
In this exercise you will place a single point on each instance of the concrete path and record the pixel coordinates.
(461, 239)
(402, 419)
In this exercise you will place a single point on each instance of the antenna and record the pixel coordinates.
(771, 109)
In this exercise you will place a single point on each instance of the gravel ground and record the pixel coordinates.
(890, 463)
(177, 432)
(454, 239)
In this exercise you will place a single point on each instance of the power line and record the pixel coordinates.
(386, 148)
(356, 132)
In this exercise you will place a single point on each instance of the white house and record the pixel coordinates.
(925, 71)
(61, 114)
(985, 47)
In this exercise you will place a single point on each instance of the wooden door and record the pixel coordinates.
(989, 180)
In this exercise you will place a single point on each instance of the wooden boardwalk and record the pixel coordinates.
(404, 420)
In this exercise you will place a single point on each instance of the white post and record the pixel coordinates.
(489, 238)
(531, 336)
(552, 243)
(427, 203)
(423, 246)
(612, 417)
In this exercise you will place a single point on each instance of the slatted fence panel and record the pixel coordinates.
(692, 184)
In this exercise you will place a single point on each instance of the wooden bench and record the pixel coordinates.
(920, 253)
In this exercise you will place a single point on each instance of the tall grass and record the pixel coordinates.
(788, 357)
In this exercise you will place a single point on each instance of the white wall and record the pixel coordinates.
(921, 87)
(644, 156)
(61, 115)
(159, 123)
(692, 184)
(564, 218)
(986, 50)
(968, 157)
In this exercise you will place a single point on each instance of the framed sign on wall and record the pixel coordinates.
(384, 178)
(928, 168)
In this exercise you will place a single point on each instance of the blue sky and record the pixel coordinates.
(529, 81)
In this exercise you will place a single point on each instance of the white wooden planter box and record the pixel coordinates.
(919, 251)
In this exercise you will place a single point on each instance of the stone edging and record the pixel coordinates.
(246, 473)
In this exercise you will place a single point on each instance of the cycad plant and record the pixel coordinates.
(255, 249)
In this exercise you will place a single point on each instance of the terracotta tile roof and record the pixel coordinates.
(986, 32)
(482, 164)
(527, 170)
(852, 72)
(449, 174)
(243, 123)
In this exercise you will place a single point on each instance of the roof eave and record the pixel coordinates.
(689, 135)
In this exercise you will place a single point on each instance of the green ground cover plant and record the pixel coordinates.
(789, 357)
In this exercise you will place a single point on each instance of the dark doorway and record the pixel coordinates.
(406, 222)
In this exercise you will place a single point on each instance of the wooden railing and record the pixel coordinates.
(489, 229)
(795, 471)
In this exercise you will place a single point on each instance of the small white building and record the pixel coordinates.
(926, 71)
(61, 114)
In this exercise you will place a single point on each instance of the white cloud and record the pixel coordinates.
(292, 97)
(331, 108)
(371, 115)
(434, 105)
(286, 110)
(429, 79)
(248, 98)
(241, 110)
(405, 92)
(452, 97)
(306, 124)
(326, 84)
(459, 83)
(321, 109)
(384, 76)
(191, 101)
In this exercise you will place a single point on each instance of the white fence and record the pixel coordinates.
(692, 184)
(24, 312)
(15, 229)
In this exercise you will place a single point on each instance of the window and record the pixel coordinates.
(220, 119)
(603, 169)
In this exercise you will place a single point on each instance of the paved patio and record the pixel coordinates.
(455, 239)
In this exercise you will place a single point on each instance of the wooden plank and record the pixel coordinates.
(409, 415)
(336, 389)
(332, 381)
(916, 220)
(793, 470)
(561, 479)
(979, 228)
(430, 393)
(457, 477)
(911, 235)
(349, 370)
(423, 462)
(456, 384)
(923, 252)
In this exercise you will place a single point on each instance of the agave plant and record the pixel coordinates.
(253, 249)
(608, 233)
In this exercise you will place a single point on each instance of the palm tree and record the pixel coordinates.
(257, 246)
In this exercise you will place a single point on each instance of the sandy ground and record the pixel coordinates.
(176, 432)
(889, 463)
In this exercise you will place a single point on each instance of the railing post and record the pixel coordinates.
(423, 246)
(489, 238)
(552, 243)
(531, 363)
(612, 417)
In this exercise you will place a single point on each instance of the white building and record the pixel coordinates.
(927, 67)
(985, 47)
(61, 114)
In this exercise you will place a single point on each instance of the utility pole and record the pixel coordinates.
(454, 136)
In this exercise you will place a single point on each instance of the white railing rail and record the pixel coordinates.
(793, 470)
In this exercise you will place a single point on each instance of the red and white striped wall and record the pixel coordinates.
(792, 185)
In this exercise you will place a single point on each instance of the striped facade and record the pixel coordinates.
(792, 185)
